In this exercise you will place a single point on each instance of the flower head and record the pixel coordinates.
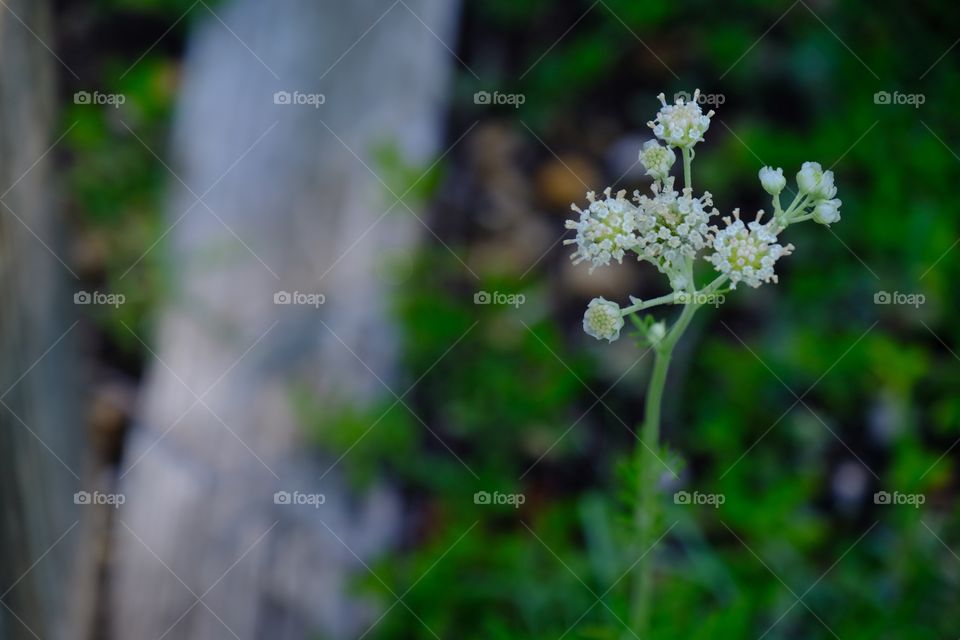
(813, 180)
(747, 253)
(827, 211)
(603, 320)
(681, 124)
(657, 159)
(772, 180)
(607, 228)
(671, 227)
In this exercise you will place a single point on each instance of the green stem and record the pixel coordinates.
(794, 202)
(798, 206)
(645, 513)
(687, 159)
(647, 304)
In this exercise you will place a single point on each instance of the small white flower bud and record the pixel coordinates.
(826, 189)
(809, 176)
(772, 180)
(603, 320)
(813, 180)
(656, 333)
(657, 159)
(827, 211)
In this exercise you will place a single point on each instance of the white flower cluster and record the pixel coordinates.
(670, 228)
(606, 230)
(665, 229)
(747, 253)
(681, 124)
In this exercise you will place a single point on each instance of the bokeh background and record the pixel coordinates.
(447, 357)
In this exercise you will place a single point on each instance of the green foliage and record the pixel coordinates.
(415, 184)
(486, 378)
(116, 185)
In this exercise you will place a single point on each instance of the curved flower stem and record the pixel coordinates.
(647, 304)
(793, 213)
(647, 462)
(713, 286)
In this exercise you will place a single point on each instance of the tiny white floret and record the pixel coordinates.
(772, 180)
(827, 211)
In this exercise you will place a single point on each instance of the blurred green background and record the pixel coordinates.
(796, 402)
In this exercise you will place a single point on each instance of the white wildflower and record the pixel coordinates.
(603, 320)
(827, 211)
(747, 253)
(681, 124)
(606, 229)
(657, 159)
(772, 180)
(672, 227)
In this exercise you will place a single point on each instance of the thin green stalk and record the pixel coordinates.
(647, 462)
(647, 304)
(645, 511)
(793, 203)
